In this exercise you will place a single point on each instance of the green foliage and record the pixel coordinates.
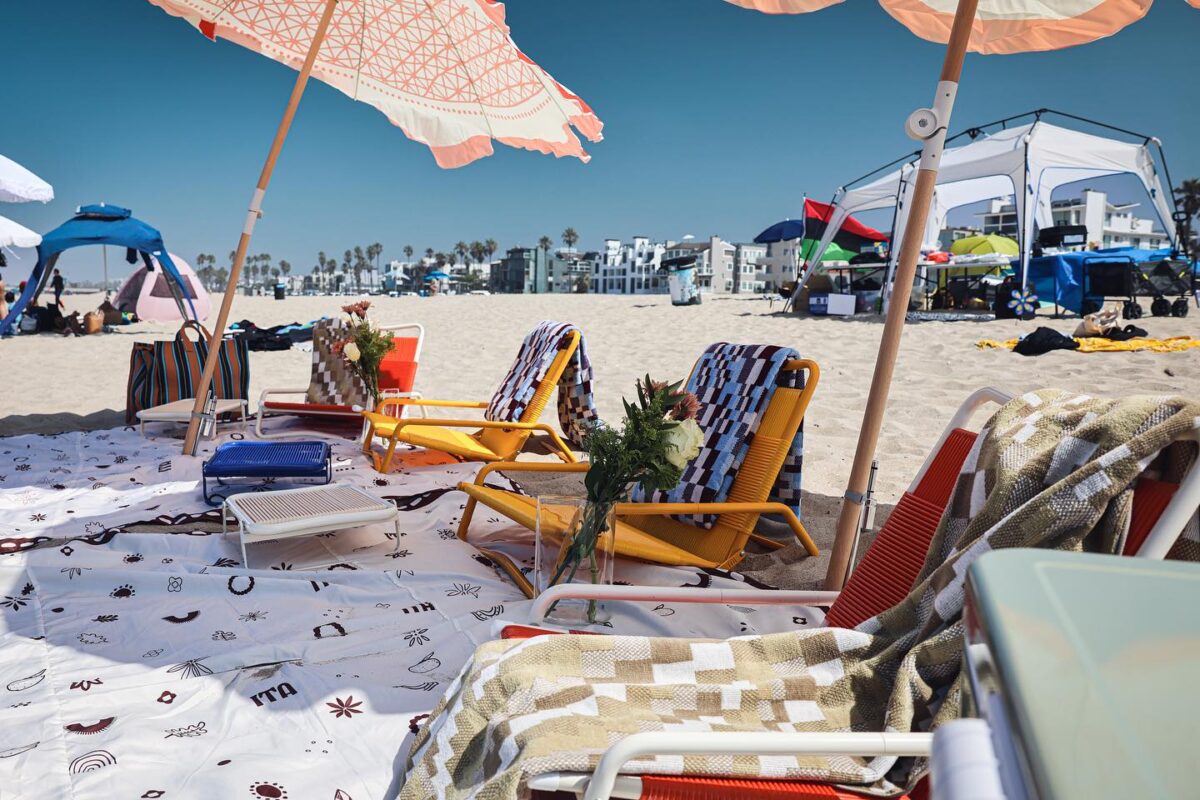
(637, 453)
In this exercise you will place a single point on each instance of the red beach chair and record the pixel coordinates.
(397, 377)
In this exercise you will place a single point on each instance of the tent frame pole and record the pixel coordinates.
(929, 125)
(264, 179)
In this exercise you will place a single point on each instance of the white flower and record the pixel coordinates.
(352, 352)
(683, 442)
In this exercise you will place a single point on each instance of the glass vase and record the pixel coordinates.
(573, 544)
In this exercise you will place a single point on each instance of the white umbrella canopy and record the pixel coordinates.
(19, 185)
(13, 234)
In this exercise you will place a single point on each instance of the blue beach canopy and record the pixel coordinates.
(99, 224)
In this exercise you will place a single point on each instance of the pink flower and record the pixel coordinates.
(687, 408)
(337, 347)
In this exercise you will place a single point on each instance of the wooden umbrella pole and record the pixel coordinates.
(218, 331)
(930, 126)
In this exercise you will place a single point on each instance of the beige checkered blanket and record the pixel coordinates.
(1052, 470)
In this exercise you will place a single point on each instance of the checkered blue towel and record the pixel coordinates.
(734, 384)
(576, 408)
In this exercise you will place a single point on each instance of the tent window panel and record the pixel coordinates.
(163, 289)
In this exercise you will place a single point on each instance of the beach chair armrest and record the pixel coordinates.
(643, 509)
(679, 594)
(528, 466)
(640, 745)
(262, 397)
(564, 452)
(420, 401)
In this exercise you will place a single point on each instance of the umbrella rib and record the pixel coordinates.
(470, 79)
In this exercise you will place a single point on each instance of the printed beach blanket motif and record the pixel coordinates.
(576, 407)
(1051, 469)
(734, 383)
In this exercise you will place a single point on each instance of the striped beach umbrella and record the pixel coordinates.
(447, 72)
(981, 26)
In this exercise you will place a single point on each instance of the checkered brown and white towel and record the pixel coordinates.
(576, 407)
(734, 383)
(332, 381)
(1052, 469)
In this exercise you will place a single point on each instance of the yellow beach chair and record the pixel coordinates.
(649, 531)
(492, 440)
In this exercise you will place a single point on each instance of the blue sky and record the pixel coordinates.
(717, 120)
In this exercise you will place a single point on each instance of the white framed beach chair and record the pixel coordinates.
(397, 379)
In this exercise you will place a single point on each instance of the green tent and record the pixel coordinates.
(832, 253)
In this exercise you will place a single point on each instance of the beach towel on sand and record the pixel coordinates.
(734, 384)
(1100, 344)
(576, 407)
(1051, 469)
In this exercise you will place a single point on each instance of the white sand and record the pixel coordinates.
(470, 342)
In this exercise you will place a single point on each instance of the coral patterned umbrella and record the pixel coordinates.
(982, 26)
(447, 72)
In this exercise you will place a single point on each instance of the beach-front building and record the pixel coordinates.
(630, 268)
(1108, 224)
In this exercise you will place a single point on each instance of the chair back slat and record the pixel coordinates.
(892, 562)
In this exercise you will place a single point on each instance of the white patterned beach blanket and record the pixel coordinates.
(140, 659)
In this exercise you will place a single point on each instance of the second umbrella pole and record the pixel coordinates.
(235, 271)
(930, 126)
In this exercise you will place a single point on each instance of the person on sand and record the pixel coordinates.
(57, 284)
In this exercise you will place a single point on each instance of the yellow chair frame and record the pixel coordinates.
(648, 531)
(492, 441)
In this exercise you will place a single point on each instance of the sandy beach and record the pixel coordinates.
(55, 383)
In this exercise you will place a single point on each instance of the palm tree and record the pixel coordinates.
(373, 268)
(330, 268)
(545, 243)
(490, 247)
(1187, 198)
(347, 261)
(360, 264)
(285, 266)
(461, 250)
(429, 253)
(408, 251)
(318, 275)
(569, 238)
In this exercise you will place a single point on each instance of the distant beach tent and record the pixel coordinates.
(986, 244)
(1025, 161)
(148, 294)
(101, 224)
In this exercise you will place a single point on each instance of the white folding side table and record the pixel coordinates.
(306, 511)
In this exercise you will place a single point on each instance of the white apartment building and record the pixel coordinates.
(1108, 224)
(630, 268)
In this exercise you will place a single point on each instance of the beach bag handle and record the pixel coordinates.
(201, 331)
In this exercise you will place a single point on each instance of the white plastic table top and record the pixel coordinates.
(181, 410)
(306, 510)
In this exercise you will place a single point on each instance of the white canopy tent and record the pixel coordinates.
(1027, 162)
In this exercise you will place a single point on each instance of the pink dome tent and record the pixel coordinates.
(147, 293)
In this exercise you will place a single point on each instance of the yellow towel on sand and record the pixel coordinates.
(1098, 344)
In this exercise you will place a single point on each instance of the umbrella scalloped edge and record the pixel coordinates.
(432, 123)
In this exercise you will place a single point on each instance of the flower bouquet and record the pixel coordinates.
(657, 439)
(365, 347)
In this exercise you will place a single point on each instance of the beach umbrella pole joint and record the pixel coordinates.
(255, 211)
(929, 126)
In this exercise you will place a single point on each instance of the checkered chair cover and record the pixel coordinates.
(576, 406)
(734, 384)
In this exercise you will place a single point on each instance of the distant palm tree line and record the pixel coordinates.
(330, 274)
